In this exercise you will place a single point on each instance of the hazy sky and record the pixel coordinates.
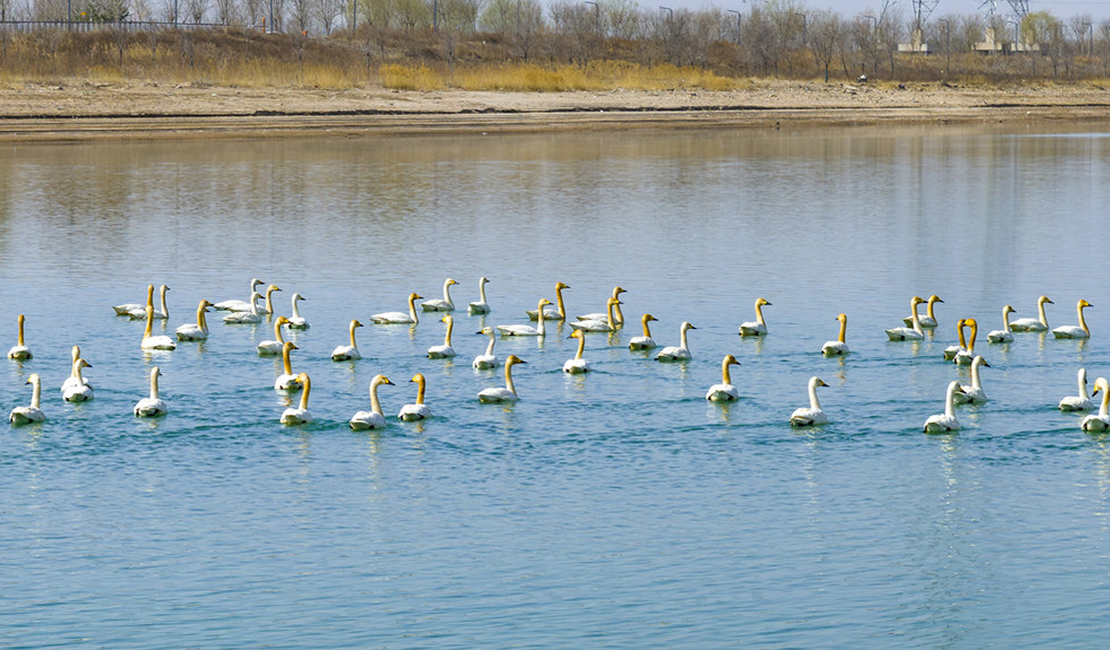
(1098, 9)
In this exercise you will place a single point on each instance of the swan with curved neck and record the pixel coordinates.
(974, 393)
(508, 393)
(273, 348)
(681, 352)
(559, 312)
(296, 321)
(418, 410)
(482, 306)
(441, 304)
(951, 351)
(1003, 335)
(644, 342)
(372, 419)
(929, 320)
(1039, 324)
(301, 414)
(247, 317)
(912, 333)
(153, 406)
(758, 327)
(348, 352)
(1101, 421)
(20, 351)
(444, 351)
(724, 391)
(137, 311)
(489, 359)
(577, 364)
(609, 324)
(618, 317)
(287, 380)
(945, 422)
(527, 330)
(240, 305)
(839, 347)
(813, 415)
(197, 331)
(140, 313)
(269, 308)
(1080, 331)
(966, 356)
(1081, 402)
(399, 317)
(32, 413)
(155, 342)
(75, 379)
(76, 389)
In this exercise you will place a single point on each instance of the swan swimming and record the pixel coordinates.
(1080, 402)
(577, 364)
(444, 351)
(681, 352)
(929, 320)
(19, 351)
(1039, 324)
(197, 331)
(1080, 331)
(301, 414)
(296, 321)
(153, 406)
(608, 324)
(438, 304)
(974, 393)
(508, 393)
(32, 413)
(155, 342)
(758, 327)
(134, 310)
(644, 342)
(482, 306)
(724, 391)
(1003, 335)
(269, 307)
(946, 421)
(272, 348)
(913, 333)
(1101, 421)
(245, 317)
(559, 312)
(399, 317)
(812, 416)
(966, 356)
(76, 389)
(162, 314)
(618, 317)
(348, 352)
(240, 305)
(838, 347)
(951, 351)
(74, 379)
(527, 330)
(419, 410)
(489, 359)
(372, 419)
(287, 380)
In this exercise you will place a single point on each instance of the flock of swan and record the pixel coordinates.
(77, 388)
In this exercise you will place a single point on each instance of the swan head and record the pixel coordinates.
(282, 320)
(1044, 299)
(297, 296)
(980, 361)
(1082, 304)
(972, 324)
(449, 282)
(447, 319)
(1100, 384)
(255, 282)
(817, 381)
(934, 299)
(378, 380)
(576, 334)
(81, 363)
(272, 288)
(302, 379)
(255, 296)
(513, 360)
(204, 304)
(687, 325)
(647, 318)
(415, 296)
(761, 302)
(33, 379)
(289, 345)
(730, 360)
(483, 280)
(155, 372)
(559, 286)
(917, 300)
(842, 317)
(1007, 310)
(487, 330)
(543, 303)
(354, 323)
(613, 301)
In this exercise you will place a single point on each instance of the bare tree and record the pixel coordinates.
(826, 38)
(253, 12)
(621, 18)
(301, 16)
(225, 11)
(327, 12)
(195, 10)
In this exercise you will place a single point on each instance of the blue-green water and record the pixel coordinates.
(617, 509)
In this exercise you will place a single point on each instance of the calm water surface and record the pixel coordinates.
(617, 509)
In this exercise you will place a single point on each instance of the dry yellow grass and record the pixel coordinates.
(603, 75)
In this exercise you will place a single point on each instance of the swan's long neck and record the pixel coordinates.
(950, 400)
(915, 320)
(560, 307)
(682, 338)
(202, 320)
(509, 378)
(618, 315)
(254, 303)
(1006, 319)
(1040, 311)
(1104, 408)
(975, 374)
(482, 292)
(929, 309)
(353, 326)
(612, 321)
(277, 331)
(726, 376)
(149, 322)
(154, 384)
(270, 298)
(447, 294)
(963, 339)
(20, 338)
(296, 311)
(758, 314)
(447, 337)
(974, 333)
(375, 405)
(412, 309)
(165, 309)
(647, 331)
(420, 390)
(843, 330)
(489, 348)
(307, 383)
(36, 393)
(540, 327)
(1082, 321)
(1083, 384)
(581, 347)
(813, 403)
(285, 350)
(76, 373)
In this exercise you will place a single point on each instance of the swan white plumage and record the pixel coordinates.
(558, 312)
(153, 406)
(247, 317)
(240, 305)
(269, 307)
(399, 317)
(75, 378)
(839, 347)
(1101, 421)
(19, 351)
(508, 393)
(758, 327)
(348, 352)
(967, 355)
(287, 380)
(1080, 331)
(155, 342)
(618, 316)
(951, 351)
(644, 342)
(134, 310)
(527, 330)
(482, 306)
(301, 414)
(929, 320)
(419, 410)
(1039, 324)
(813, 415)
(296, 321)
(32, 413)
(1003, 335)
(272, 348)
(681, 352)
(372, 419)
(76, 388)
(444, 351)
(162, 314)
(441, 304)
(577, 364)
(973, 394)
(944, 422)
(724, 391)
(1080, 402)
(608, 324)
(912, 333)
(197, 331)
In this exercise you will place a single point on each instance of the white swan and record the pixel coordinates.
(1100, 422)
(301, 414)
(758, 327)
(32, 413)
(966, 356)
(348, 352)
(155, 342)
(153, 406)
(441, 304)
(681, 352)
(558, 312)
(577, 364)
(287, 380)
(912, 333)
(480, 307)
(20, 351)
(444, 351)
(75, 379)
(838, 347)
(527, 330)
(812, 416)
(372, 419)
(269, 308)
(1003, 335)
(239, 305)
(929, 320)
(419, 410)
(272, 348)
(197, 331)
(508, 393)
(944, 422)
(1080, 331)
(724, 391)
(399, 317)
(618, 317)
(607, 324)
(974, 393)
(296, 321)
(247, 317)
(162, 314)
(951, 351)
(134, 310)
(76, 388)
(489, 359)
(1080, 402)
(644, 342)
(1039, 324)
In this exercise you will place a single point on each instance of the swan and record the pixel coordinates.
(489, 359)
(1033, 324)
(134, 310)
(296, 321)
(1080, 331)
(76, 388)
(372, 419)
(724, 391)
(301, 414)
(239, 305)
(577, 365)
(480, 307)
(929, 320)
(441, 304)
(812, 416)
(508, 393)
(680, 352)
(526, 330)
(32, 413)
(347, 352)
(273, 348)
(419, 410)
(618, 317)
(1003, 335)
(155, 342)
(399, 317)
(838, 347)
(607, 324)
(559, 312)
(153, 406)
(75, 379)
(943, 422)
(973, 394)
(644, 342)
(249, 316)
(951, 351)
(1080, 402)
(140, 313)
(1100, 422)
(269, 308)
(966, 356)
(20, 351)
(444, 351)
(759, 326)
(287, 380)
(912, 333)
(195, 331)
